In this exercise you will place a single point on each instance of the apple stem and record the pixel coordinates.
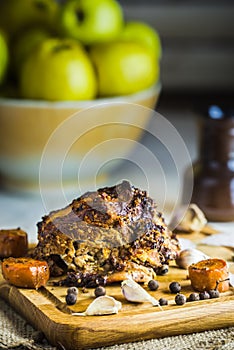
(80, 15)
(40, 5)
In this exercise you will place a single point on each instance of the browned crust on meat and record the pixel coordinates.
(111, 230)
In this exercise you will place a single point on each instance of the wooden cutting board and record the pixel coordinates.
(46, 310)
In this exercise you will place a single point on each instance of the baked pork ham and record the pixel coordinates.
(106, 236)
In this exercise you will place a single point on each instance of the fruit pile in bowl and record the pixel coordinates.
(61, 58)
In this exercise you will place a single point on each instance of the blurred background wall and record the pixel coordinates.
(198, 42)
(197, 66)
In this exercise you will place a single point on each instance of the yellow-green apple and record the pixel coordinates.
(16, 15)
(91, 21)
(124, 67)
(4, 56)
(25, 43)
(59, 69)
(143, 33)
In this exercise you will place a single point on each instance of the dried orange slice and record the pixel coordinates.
(209, 274)
(13, 243)
(25, 272)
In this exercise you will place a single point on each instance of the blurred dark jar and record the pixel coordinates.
(213, 173)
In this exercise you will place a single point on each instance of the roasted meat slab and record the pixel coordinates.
(105, 236)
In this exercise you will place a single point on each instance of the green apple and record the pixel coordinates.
(91, 21)
(59, 69)
(16, 15)
(27, 41)
(143, 33)
(4, 56)
(124, 67)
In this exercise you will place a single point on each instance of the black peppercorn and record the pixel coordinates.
(194, 297)
(99, 291)
(71, 299)
(214, 293)
(175, 287)
(204, 295)
(153, 285)
(163, 270)
(72, 290)
(180, 299)
(163, 301)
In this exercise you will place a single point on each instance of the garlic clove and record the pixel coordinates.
(193, 219)
(133, 292)
(190, 256)
(231, 279)
(103, 305)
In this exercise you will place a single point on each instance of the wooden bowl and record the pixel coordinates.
(40, 139)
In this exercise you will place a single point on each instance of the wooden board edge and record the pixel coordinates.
(107, 329)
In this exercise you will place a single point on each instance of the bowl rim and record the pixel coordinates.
(131, 98)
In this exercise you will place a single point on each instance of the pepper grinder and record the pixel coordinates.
(213, 189)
